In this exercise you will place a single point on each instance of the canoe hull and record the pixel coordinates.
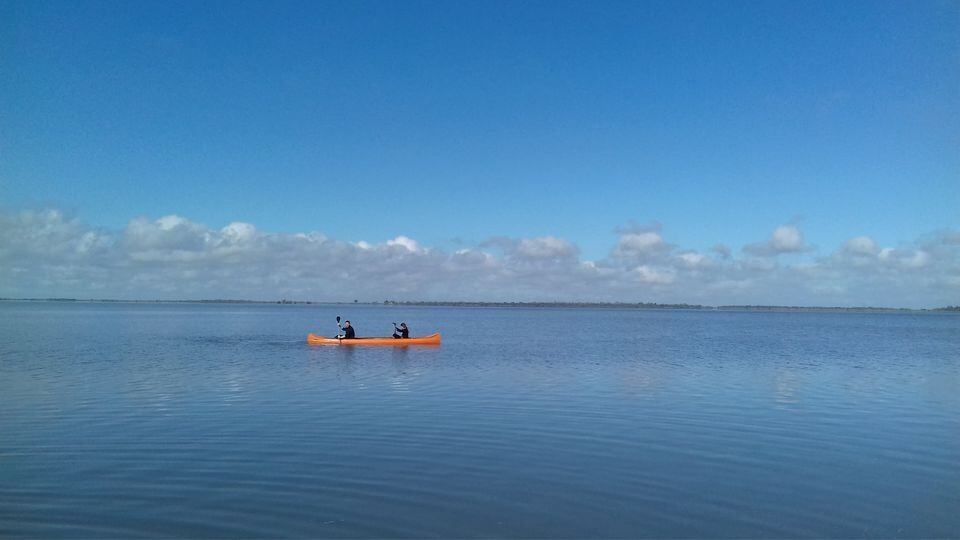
(433, 339)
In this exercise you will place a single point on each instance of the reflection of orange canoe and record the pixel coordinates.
(432, 339)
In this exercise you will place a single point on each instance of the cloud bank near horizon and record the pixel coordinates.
(48, 254)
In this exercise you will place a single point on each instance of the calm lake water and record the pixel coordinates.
(130, 420)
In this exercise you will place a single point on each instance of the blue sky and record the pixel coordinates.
(452, 123)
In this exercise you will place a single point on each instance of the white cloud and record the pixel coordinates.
(168, 223)
(787, 238)
(784, 239)
(238, 232)
(918, 259)
(46, 253)
(407, 243)
(863, 251)
(546, 247)
(169, 233)
(763, 264)
(639, 243)
(647, 274)
(722, 250)
(861, 245)
(693, 259)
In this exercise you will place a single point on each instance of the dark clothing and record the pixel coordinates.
(404, 333)
(348, 333)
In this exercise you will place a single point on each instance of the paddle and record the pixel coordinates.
(341, 328)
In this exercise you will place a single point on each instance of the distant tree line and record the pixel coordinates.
(615, 305)
(621, 305)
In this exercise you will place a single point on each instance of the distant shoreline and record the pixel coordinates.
(567, 305)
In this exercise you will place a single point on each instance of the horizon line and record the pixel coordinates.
(470, 303)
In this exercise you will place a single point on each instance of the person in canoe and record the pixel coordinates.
(348, 331)
(401, 332)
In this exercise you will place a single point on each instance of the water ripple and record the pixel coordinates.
(211, 422)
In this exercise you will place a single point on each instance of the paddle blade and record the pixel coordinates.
(338, 319)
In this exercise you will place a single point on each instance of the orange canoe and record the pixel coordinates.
(432, 339)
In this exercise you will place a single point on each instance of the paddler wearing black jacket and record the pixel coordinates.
(404, 332)
(348, 332)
